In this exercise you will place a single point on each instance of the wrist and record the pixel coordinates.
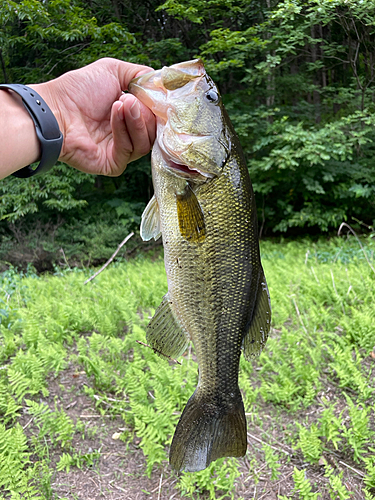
(18, 135)
(46, 128)
(50, 93)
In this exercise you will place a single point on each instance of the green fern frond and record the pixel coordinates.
(302, 485)
(337, 490)
(272, 460)
(370, 469)
(368, 495)
(330, 426)
(14, 457)
(21, 384)
(8, 407)
(358, 433)
(56, 425)
(309, 443)
(76, 460)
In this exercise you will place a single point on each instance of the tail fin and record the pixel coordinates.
(207, 431)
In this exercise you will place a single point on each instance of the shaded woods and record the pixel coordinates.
(297, 79)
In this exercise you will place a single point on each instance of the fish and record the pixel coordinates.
(204, 209)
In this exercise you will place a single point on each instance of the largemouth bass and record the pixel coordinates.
(204, 209)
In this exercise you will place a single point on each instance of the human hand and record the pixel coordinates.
(103, 128)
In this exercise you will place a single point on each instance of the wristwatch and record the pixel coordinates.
(47, 129)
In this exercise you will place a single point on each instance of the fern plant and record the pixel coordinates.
(309, 443)
(358, 433)
(9, 408)
(97, 325)
(55, 424)
(76, 460)
(15, 464)
(349, 371)
(219, 476)
(370, 469)
(272, 460)
(337, 490)
(368, 495)
(330, 426)
(302, 486)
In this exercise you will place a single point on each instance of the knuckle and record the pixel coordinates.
(139, 126)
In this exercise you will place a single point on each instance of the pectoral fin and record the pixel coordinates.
(150, 224)
(260, 325)
(165, 333)
(190, 216)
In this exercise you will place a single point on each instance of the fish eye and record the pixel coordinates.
(212, 96)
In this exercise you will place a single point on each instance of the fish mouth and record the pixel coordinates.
(178, 165)
(153, 90)
(184, 171)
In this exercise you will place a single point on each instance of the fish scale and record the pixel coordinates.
(204, 208)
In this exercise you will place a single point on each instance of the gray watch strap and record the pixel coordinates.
(47, 129)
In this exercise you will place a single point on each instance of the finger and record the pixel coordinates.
(150, 122)
(122, 146)
(148, 116)
(140, 123)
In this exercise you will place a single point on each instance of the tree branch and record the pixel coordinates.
(110, 259)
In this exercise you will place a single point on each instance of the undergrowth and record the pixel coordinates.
(316, 369)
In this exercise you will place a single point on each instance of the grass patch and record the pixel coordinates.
(74, 383)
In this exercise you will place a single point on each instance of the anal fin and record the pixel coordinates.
(165, 334)
(257, 334)
(150, 225)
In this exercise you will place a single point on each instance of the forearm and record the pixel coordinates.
(19, 145)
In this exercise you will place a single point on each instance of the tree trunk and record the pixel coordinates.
(116, 9)
(5, 76)
(324, 72)
(316, 94)
(294, 71)
(270, 99)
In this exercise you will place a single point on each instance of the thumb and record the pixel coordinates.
(127, 71)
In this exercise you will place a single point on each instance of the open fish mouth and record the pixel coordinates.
(182, 170)
(175, 162)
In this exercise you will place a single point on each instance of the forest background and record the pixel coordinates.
(297, 78)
